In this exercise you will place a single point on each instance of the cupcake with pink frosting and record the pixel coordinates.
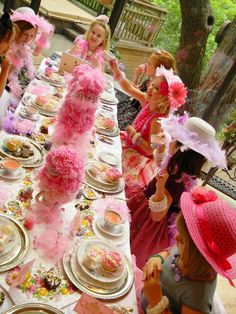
(113, 175)
(48, 71)
(111, 261)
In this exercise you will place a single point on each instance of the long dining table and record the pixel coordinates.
(11, 190)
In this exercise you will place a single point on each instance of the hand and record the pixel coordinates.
(152, 290)
(130, 131)
(153, 265)
(6, 63)
(140, 69)
(161, 178)
(114, 67)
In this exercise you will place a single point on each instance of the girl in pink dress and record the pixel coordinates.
(96, 42)
(154, 209)
(165, 93)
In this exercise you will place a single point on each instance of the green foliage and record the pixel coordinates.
(168, 38)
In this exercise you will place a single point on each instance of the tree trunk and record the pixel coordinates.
(214, 100)
(197, 23)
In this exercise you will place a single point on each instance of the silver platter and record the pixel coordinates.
(22, 251)
(95, 291)
(32, 308)
(93, 184)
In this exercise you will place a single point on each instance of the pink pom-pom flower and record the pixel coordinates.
(201, 195)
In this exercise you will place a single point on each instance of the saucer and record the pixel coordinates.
(115, 232)
(12, 176)
(23, 114)
(109, 158)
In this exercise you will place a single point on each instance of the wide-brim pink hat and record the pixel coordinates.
(211, 223)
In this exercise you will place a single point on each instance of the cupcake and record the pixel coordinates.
(93, 257)
(41, 100)
(113, 175)
(111, 261)
(109, 124)
(48, 71)
(6, 235)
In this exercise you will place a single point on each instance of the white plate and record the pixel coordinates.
(42, 76)
(101, 188)
(99, 177)
(115, 232)
(99, 274)
(109, 158)
(12, 176)
(31, 101)
(106, 114)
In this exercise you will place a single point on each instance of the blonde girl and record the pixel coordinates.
(97, 40)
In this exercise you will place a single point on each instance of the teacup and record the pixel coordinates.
(10, 165)
(30, 110)
(112, 219)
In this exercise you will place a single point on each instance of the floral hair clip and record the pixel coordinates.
(103, 18)
(177, 91)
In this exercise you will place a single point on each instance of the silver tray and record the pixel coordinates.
(94, 291)
(107, 133)
(32, 308)
(24, 248)
(108, 190)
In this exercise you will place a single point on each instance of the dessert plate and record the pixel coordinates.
(6, 152)
(109, 158)
(100, 177)
(24, 115)
(42, 76)
(100, 274)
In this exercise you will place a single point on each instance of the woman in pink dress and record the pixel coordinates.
(165, 93)
(154, 209)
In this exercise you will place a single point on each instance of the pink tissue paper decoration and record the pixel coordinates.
(77, 114)
(119, 206)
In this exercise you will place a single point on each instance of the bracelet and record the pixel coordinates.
(157, 206)
(158, 255)
(120, 77)
(135, 137)
(160, 307)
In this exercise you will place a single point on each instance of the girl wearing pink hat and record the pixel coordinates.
(206, 246)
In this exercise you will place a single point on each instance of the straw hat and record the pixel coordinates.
(196, 134)
(211, 223)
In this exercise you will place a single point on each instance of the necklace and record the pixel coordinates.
(177, 273)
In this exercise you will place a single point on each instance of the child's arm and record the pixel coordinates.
(125, 83)
(139, 71)
(5, 67)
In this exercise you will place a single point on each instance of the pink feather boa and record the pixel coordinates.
(77, 114)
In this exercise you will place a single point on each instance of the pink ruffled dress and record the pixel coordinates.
(138, 167)
(149, 237)
(82, 51)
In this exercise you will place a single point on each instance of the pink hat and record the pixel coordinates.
(211, 223)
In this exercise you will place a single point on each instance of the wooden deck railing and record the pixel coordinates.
(139, 22)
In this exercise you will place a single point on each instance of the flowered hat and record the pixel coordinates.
(211, 223)
(196, 134)
(176, 90)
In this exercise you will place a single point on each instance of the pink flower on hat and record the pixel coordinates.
(164, 88)
(177, 94)
(200, 195)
